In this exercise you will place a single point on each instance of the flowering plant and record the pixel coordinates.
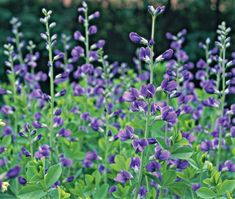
(106, 130)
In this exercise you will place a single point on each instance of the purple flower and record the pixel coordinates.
(66, 162)
(64, 132)
(210, 102)
(13, 172)
(135, 38)
(95, 15)
(126, 134)
(92, 30)
(131, 95)
(98, 44)
(196, 186)
(167, 55)
(168, 115)
(161, 154)
(112, 189)
(25, 152)
(78, 36)
(144, 54)
(181, 164)
(86, 116)
(168, 85)
(111, 159)
(148, 91)
(96, 124)
(22, 180)
(123, 177)
(77, 52)
(37, 124)
(89, 158)
(93, 55)
(7, 130)
(153, 166)
(201, 64)
(232, 131)
(139, 144)
(58, 121)
(142, 192)
(229, 165)
(135, 163)
(70, 179)
(206, 146)
(44, 151)
(209, 86)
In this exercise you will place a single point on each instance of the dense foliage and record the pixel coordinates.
(109, 131)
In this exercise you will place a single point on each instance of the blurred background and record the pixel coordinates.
(119, 18)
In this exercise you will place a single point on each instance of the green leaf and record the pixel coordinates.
(168, 177)
(227, 186)
(53, 174)
(205, 193)
(183, 153)
(101, 192)
(31, 191)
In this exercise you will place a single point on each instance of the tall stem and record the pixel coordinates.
(52, 94)
(143, 154)
(152, 54)
(106, 117)
(222, 103)
(86, 24)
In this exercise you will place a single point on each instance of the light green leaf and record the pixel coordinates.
(53, 174)
(205, 193)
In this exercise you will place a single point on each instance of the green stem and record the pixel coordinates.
(18, 48)
(142, 154)
(151, 58)
(51, 86)
(86, 36)
(107, 125)
(222, 103)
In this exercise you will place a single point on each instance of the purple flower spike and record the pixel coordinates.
(13, 172)
(161, 154)
(123, 177)
(148, 91)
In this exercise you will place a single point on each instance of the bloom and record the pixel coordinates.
(13, 172)
(123, 177)
(148, 90)
(134, 37)
(161, 154)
